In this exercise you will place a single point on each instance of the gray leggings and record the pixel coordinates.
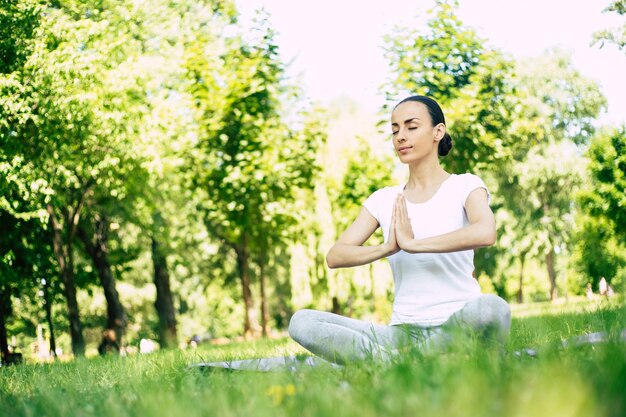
(341, 339)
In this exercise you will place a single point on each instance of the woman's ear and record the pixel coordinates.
(440, 131)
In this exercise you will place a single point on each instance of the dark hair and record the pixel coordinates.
(436, 116)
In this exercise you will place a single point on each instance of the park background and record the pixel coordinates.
(167, 173)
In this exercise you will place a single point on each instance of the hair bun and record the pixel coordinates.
(445, 145)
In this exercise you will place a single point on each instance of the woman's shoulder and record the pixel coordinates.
(467, 176)
(384, 194)
(388, 190)
(467, 179)
(466, 183)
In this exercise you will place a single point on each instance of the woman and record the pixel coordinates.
(431, 225)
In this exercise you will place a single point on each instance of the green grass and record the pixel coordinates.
(470, 380)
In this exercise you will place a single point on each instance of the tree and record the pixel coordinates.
(548, 179)
(168, 133)
(95, 240)
(24, 105)
(72, 112)
(556, 105)
(20, 262)
(18, 24)
(252, 164)
(603, 200)
(164, 302)
(616, 36)
(606, 198)
(598, 253)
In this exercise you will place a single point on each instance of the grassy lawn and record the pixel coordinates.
(471, 380)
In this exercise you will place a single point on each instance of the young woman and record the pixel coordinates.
(431, 225)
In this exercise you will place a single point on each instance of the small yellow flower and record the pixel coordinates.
(290, 390)
(278, 393)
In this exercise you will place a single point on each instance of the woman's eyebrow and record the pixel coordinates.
(407, 121)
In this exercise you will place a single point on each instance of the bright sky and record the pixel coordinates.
(335, 46)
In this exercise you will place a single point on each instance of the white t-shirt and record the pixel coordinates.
(430, 287)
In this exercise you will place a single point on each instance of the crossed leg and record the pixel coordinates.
(341, 339)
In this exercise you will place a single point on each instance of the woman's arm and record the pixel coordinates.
(480, 232)
(349, 250)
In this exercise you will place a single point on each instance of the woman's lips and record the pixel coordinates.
(404, 148)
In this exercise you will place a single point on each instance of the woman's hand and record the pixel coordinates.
(402, 224)
(391, 244)
(480, 232)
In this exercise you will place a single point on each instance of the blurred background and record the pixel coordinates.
(173, 172)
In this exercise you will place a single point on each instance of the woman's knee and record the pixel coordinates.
(487, 311)
(300, 322)
(496, 313)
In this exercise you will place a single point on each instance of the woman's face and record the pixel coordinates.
(413, 133)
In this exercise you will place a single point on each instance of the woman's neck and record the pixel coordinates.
(425, 175)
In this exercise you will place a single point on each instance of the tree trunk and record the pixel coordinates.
(264, 310)
(243, 264)
(5, 310)
(164, 303)
(96, 247)
(48, 309)
(64, 256)
(336, 308)
(520, 292)
(551, 273)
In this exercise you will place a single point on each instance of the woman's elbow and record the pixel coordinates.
(335, 258)
(490, 236)
(490, 239)
(331, 259)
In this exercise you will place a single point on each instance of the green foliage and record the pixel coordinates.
(18, 22)
(537, 185)
(439, 63)
(548, 180)
(252, 163)
(554, 101)
(78, 113)
(602, 233)
(365, 173)
(597, 252)
(607, 195)
(617, 35)
(70, 120)
(23, 260)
